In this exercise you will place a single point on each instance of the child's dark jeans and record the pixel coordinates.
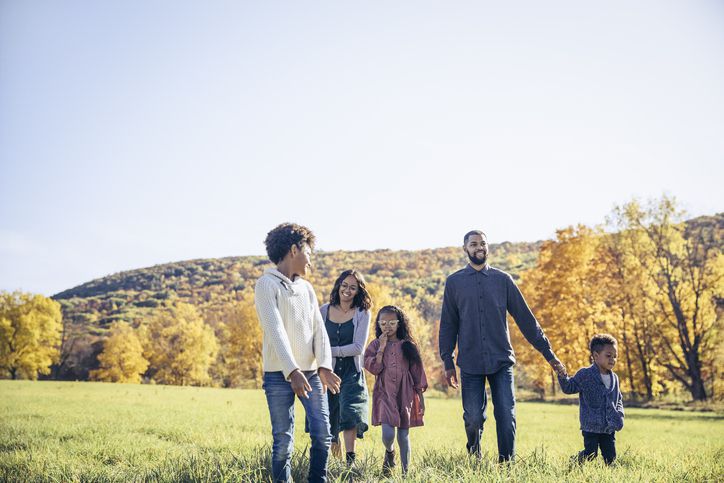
(591, 442)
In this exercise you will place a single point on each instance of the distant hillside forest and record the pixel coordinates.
(90, 310)
(647, 276)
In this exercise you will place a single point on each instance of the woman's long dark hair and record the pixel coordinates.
(361, 299)
(409, 346)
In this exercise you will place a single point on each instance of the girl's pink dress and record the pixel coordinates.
(396, 397)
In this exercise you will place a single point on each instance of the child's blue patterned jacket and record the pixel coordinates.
(600, 408)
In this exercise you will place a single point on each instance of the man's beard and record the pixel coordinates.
(478, 261)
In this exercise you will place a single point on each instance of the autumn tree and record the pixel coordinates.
(122, 357)
(564, 295)
(685, 266)
(625, 282)
(179, 346)
(30, 327)
(241, 343)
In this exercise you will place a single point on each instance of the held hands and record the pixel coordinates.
(422, 405)
(330, 380)
(452, 378)
(558, 367)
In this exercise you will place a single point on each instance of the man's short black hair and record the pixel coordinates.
(599, 341)
(473, 232)
(280, 240)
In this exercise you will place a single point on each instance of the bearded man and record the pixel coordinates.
(474, 308)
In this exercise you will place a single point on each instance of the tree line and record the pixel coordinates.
(644, 275)
(651, 280)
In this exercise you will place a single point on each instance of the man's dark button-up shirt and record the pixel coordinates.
(474, 317)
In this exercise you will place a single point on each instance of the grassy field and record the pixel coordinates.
(56, 431)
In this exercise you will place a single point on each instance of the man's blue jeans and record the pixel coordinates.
(475, 403)
(280, 399)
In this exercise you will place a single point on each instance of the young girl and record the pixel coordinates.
(397, 400)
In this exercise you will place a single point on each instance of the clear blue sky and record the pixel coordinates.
(134, 133)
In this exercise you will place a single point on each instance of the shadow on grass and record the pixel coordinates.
(700, 417)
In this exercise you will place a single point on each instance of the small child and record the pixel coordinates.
(397, 400)
(600, 401)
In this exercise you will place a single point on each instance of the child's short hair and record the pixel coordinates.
(600, 340)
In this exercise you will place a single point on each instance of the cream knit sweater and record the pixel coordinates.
(294, 333)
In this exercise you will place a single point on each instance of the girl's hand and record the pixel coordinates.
(422, 405)
(381, 348)
(383, 341)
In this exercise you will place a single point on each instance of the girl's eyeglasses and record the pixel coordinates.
(384, 323)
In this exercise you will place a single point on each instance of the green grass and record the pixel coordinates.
(57, 431)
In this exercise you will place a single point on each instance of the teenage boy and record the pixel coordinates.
(295, 350)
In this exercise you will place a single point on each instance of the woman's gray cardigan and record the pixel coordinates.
(361, 322)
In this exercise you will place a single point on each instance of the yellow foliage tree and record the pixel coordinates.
(563, 292)
(654, 282)
(122, 357)
(30, 328)
(179, 346)
(626, 282)
(242, 340)
(684, 268)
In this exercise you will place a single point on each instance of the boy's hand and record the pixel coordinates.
(558, 366)
(300, 385)
(330, 380)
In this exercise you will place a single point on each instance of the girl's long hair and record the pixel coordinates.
(361, 299)
(409, 346)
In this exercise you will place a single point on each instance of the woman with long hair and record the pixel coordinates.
(347, 320)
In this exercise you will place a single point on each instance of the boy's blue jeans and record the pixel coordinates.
(280, 399)
(475, 403)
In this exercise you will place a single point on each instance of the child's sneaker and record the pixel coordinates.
(388, 463)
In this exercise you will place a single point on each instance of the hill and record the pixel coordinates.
(127, 295)
(89, 309)
(213, 285)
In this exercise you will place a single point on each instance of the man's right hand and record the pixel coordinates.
(300, 385)
(558, 366)
(452, 378)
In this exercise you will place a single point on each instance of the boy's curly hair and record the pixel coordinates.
(598, 342)
(280, 240)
